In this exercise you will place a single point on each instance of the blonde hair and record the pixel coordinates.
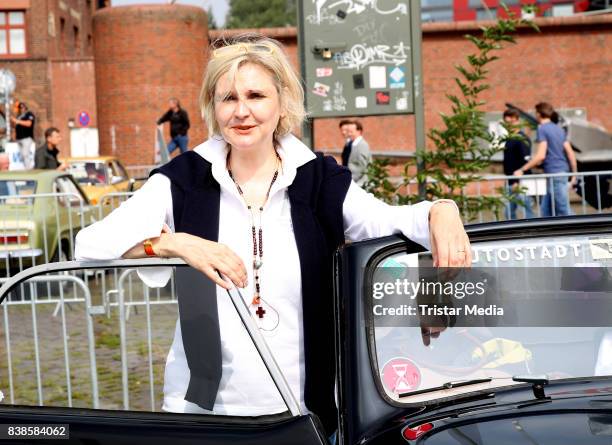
(229, 56)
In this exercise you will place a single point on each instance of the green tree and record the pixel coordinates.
(212, 23)
(463, 146)
(261, 13)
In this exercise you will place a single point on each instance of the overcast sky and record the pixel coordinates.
(219, 7)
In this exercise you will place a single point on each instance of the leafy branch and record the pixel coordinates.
(463, 146)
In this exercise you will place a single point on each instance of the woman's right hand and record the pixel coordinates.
(209, 257)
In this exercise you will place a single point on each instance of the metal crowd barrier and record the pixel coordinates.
(110, 201)
(39, 228)
(589, 195)
(31, 326)
(92, 369)
(592, 193)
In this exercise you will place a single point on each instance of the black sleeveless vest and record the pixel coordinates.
(316, 196)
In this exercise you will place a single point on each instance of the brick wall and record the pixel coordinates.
(55, 84)
(73, 90)
(568, 64)
(145, 55)
(73, 14)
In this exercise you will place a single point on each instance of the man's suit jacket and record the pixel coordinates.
(358, 161)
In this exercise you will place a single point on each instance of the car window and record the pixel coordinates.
(541, 302)
(90, 172)
(73, 196)
(16, 191)
(104, 339)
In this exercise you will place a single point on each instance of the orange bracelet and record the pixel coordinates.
(148, 247)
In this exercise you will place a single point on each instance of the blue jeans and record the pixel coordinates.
(524, 202)
(556, 200)
(178, 141)
(333, 438)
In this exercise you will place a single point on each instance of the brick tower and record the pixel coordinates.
(143, 56)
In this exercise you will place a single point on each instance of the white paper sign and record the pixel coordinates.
(378, 77)
(534, 187)
(15, 157)
(401, 103)
(361, 102)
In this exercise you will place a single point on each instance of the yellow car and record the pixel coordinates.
(99, 176)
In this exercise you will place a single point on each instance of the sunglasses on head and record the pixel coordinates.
(243, 48)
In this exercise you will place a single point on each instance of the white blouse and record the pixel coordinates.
(246, 389)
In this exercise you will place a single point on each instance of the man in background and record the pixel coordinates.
(24, 134)
(517, 151)
(179, 125)
(46, 154)
(359, 156)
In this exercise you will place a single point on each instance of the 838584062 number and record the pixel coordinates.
(34, 431)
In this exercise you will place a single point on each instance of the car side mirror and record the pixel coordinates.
(116, 179)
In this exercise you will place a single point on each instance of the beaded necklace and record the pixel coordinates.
(257, 234)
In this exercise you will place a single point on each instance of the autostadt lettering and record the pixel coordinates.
(434, 310)
(489, 254)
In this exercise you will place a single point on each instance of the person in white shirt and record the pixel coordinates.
(254, 195)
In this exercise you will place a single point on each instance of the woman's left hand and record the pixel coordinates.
(450, 245)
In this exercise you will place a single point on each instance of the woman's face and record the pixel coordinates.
(247, 111)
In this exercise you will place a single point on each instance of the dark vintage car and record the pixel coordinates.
(539, 374)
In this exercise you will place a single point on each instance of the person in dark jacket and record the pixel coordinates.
(46, 154)
(24, 134)
(344, 127)
(517, 151)
(179, 126)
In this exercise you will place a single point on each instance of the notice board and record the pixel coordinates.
(357, 56)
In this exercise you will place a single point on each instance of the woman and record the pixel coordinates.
(256, 205)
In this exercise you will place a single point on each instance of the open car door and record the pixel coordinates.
(84, 348)
(407, 376)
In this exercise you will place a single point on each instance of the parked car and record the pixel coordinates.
(101, 175)
(35, 230)
(527, 377)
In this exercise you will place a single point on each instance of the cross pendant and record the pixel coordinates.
(260, 312)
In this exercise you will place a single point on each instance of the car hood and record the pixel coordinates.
(573, 411)
(95, 192)
(544, 428)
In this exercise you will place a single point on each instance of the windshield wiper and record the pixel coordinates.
(447, 385)
(537, 383)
